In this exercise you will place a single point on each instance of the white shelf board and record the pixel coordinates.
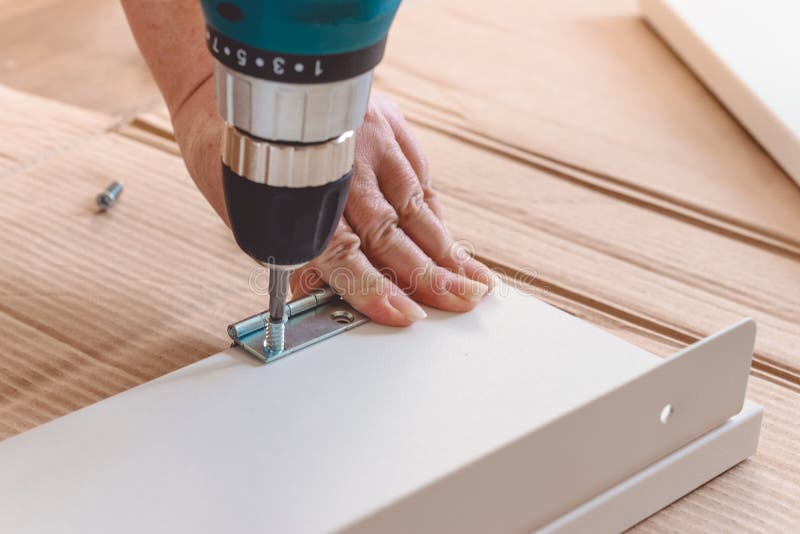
(511, 416)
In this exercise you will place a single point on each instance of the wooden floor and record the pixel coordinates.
(570, 146)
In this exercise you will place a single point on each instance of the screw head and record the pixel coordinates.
(104, 201)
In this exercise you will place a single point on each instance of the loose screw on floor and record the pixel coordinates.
(109, 196)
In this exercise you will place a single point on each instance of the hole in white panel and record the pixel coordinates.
(666, 413)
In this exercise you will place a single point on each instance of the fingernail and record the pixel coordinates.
(494, 282)
(408, 307)
(473, 291)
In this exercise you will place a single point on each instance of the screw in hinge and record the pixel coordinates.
(297, 307)
(108, 197)
(275, 340)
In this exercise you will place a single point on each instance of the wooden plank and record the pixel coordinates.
(588, 86)
(38, 127)
(76, 51)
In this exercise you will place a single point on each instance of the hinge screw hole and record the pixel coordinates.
(343, 317)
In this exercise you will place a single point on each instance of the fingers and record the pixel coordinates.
(411, 148)
(405, 180)
(401, 188)
(305, 280)
(391, 242)
(347, 270)
(389, 247)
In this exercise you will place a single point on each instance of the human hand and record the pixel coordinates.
(391, 248)
(391, 245)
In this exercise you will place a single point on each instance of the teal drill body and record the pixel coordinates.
(309, 27)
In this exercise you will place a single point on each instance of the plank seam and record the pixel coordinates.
(608, 185)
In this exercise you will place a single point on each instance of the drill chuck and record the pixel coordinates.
(284, 201)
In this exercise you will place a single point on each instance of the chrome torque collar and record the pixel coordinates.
(291, 112)
(287, 165)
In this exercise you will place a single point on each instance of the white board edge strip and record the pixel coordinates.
(750, 111)
(667, 480)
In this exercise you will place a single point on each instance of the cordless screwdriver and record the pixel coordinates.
(292, 82)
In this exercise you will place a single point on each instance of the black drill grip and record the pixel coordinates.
(283, 225)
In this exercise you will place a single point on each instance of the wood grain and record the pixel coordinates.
(94, 303)
(75, 51)
(586, 85)
(30, 136)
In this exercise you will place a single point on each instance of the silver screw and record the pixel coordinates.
(275, 341)
(108, 197)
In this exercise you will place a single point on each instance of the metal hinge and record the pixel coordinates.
(312, 318)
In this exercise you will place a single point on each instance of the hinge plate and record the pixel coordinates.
(325, 320)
